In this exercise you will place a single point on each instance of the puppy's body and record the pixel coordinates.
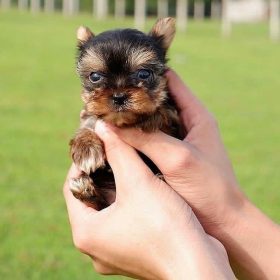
(122, 73)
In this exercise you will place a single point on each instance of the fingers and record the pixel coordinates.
(167, 152)
(76, 209)
(124, 160)
(191, 109)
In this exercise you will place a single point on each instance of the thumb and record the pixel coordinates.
(122, 158)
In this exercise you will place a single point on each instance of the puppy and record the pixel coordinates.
(122, 74)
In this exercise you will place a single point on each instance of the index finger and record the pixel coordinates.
(123, 159)
(191, 109)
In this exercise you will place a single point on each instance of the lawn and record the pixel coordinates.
(238, 79)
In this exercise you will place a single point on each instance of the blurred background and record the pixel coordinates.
(229, 54)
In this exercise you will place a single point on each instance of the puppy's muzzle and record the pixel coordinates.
(119, 99)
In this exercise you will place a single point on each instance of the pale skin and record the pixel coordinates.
(149, 232)
(199, 170)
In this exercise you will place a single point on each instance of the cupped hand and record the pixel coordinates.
(197, 167)
(149, 232)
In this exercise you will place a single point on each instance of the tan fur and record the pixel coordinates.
(84, 34)
(165, 28)
(121, 119)
(87, 151)
(92, 62)
(141, 57)
(139, 102)
(160, 93)
(82, 187)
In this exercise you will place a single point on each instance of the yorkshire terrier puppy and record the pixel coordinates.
(122, 74)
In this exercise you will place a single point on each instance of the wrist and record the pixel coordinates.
(250, 239)
(194, 255)
(228, 214)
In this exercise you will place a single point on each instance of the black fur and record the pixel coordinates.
(122, 40)
(118, 56)
(116, 47)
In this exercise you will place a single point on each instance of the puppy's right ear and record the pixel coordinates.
(84, 34)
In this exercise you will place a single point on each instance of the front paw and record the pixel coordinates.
(83, 189)
(87, 151)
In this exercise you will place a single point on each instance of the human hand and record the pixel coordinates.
(199, 170)
(149, 232)
(198, 167)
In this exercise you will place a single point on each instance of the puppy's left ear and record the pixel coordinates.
(164, 31)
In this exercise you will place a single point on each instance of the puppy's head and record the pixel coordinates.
(122, 71)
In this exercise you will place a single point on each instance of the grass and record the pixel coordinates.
(238, 79)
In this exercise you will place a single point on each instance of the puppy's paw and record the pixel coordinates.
(83, 189)
(90, 159)
(87, 151)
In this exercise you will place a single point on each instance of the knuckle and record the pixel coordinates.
(80, 241)
(183, 158)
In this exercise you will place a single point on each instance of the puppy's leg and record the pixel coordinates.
(87, 151)
(88, 154)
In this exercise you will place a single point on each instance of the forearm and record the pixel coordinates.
(201, 258)
(252, 242)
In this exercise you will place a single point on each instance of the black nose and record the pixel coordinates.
(119, 98)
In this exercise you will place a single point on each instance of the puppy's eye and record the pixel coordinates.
(95, 77)
(143, 74)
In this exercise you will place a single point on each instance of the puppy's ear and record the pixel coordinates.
(84, 34)
(164, 31)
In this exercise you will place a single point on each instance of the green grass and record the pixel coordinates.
(238, 79)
